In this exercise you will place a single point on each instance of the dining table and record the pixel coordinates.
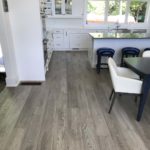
(141, 66)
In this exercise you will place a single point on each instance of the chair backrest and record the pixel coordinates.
(121, 83)
(113, 71)
(147, 49)
(146, 53)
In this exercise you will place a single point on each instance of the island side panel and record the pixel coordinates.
(117, 45)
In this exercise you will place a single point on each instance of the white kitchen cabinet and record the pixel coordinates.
(71, 39)
(58, 38)
(58, 31)
(77, 7)
(62, 7)
(80, 41)
(58, 45)
(46, 7)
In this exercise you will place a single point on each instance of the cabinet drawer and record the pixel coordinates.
(58, 45)
(58, 36)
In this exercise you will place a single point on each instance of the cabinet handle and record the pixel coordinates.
(66, 33)
(58, 37)
(57, 31)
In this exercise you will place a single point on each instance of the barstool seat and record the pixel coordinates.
(103, 52)
(129, 52)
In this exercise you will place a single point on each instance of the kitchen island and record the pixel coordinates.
(117, 41)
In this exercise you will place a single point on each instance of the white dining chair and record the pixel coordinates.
(146, 53)
(123, 81)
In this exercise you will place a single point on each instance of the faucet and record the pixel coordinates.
(117, 26)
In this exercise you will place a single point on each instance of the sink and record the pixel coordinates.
(122, 30)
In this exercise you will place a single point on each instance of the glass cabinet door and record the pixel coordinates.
(58, 7)
(68, 7)
(63, 7)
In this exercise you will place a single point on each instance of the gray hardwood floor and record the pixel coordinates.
(69, 112)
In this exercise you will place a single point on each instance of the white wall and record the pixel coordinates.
(64, 23)
(27, 35)
(6, 40)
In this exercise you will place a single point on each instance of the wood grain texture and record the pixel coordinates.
(69, 112)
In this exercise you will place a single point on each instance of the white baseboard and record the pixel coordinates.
(12, 82)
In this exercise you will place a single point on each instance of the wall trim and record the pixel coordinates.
(12, 82)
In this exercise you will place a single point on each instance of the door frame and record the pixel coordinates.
(8, 49)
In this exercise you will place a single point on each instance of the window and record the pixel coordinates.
(137, 11)
(95, 11)
(116, 11)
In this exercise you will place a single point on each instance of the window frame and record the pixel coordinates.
(125, 24)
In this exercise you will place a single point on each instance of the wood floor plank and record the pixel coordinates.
(10, 111)
(70, 112)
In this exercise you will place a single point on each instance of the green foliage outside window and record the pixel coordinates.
(138, 10)
(113, 7)
(90, 7)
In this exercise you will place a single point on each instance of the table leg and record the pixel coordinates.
(145, 90)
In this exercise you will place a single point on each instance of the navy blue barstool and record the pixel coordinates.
(103, 52)
(129, 52)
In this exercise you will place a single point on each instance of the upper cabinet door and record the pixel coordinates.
(58, 7)
(68, 7)
(63, 7)
(77, 7)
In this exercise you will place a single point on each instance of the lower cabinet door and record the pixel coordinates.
(79, 41)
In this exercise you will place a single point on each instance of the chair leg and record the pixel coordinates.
(120, 94)
(98, 66)
(112, 103)
(111, 95)
(136, 99)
